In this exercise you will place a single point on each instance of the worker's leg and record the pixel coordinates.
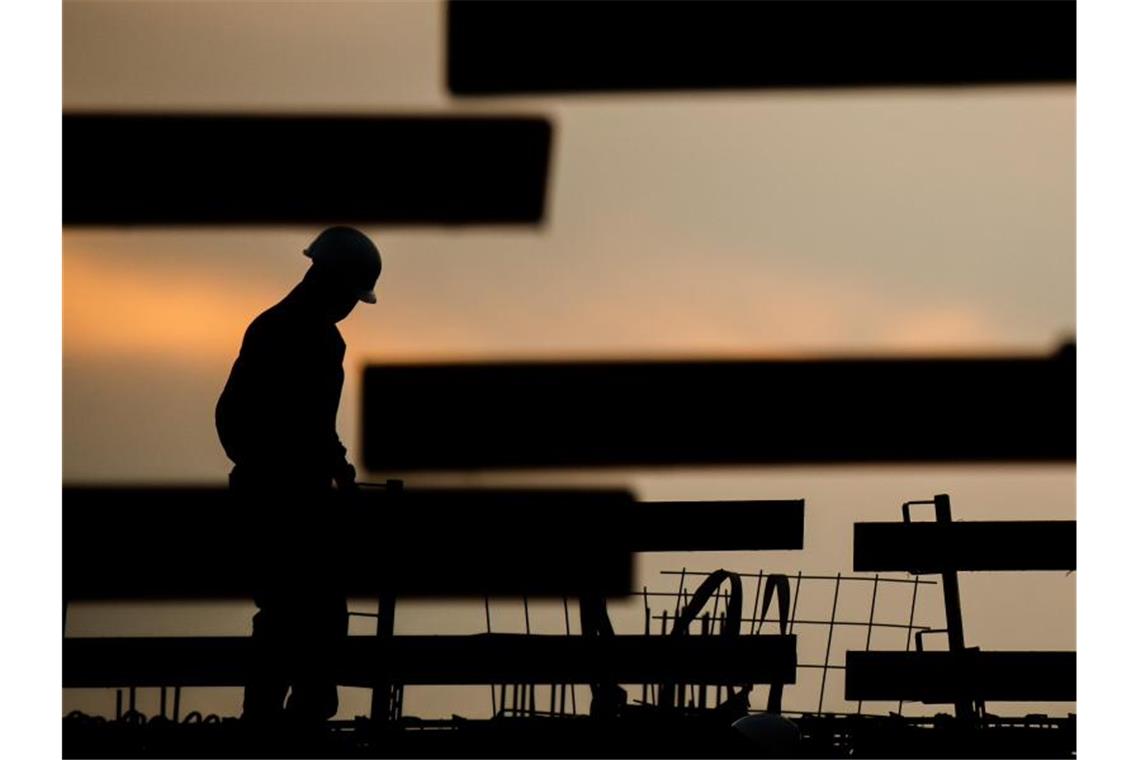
(322, 625)
(606, 699)
(268, 681)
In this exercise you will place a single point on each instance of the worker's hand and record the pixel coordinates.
(346, 478)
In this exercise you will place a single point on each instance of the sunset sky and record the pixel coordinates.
(905, 221)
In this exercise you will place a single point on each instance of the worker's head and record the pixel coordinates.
(345, 268)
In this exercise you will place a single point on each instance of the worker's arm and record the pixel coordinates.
(344, 474)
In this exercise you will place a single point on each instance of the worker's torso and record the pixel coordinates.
(277, 414)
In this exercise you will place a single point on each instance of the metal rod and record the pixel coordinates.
(685, 632)
(856, 623)
(648, 618)
(487, 611)
(666, 693)
(397, 701)
(177, 702)
(963, 708)
(704, 689)
(527, 689)
(680, 588)
(827, 652)
(381, 707)
(846, 578)
(566, 613)
(870, 628)
(673, 594)
(756, 602)
(162, 701)
(118, 704)
(719, 687)
(795, 602)
(913, 601)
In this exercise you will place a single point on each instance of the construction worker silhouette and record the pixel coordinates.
(276, 419)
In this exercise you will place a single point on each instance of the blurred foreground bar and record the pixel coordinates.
(176, 170)
(633, 413)
(690, 526)
(499, 48)
(946, 677)
(209, 543)
(930, 547)
(478, 659)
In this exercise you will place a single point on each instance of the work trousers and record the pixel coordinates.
(302, 619)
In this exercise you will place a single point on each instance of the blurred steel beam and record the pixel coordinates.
(478, 659)
(208, 543)
(685, 526)
(632, 413)
(496, 48)
(930, 547)
(945, 677)
(122, 169)
(211, 543)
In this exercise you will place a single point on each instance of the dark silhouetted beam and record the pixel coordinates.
(506, 47)
(518, 415)
(186, 170)
(669, 526)
(208, 543)
(930, 547)
(945, 677)
(490, 658)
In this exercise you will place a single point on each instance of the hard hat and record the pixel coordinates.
(351, 255)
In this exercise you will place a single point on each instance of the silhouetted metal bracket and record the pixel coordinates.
(497, 48)
(669, 413)
(479, 659)
(946, 677)
(124, 169)
(930, 547)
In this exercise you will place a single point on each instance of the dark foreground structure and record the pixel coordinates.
(700, 676)
(639, 733)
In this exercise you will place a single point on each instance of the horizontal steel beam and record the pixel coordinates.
(211, 543)
(496, 48)
(946, 677)
(479, 659)
(632, 413)
(674, 526)
(192, 170)
(930, 547)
